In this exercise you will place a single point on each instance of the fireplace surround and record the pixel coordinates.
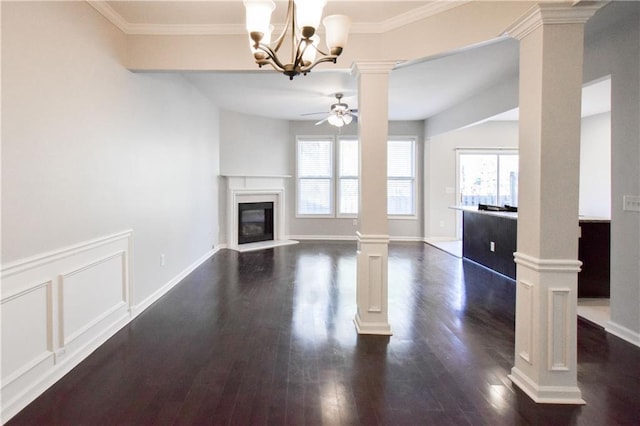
(251, 190)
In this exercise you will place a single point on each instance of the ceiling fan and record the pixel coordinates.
(339, 115)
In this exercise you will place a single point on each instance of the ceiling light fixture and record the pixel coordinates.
(303, 19)
(339, 115)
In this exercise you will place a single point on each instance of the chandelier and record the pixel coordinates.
(303, 19)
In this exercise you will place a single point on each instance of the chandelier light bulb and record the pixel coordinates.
(308, 14)
(258, 15)
(337, 32)
(309, 54)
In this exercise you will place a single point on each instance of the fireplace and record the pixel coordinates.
(255, 222)
(254, 192)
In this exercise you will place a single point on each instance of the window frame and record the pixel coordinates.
(335, 178)
(497, 151)
(339, 177)
(413, 178)
(332, 195)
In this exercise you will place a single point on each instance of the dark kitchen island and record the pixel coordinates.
(490, 239)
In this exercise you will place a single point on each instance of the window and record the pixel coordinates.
(318, 191)
(315, 177)
(488, 177)
(348, 177)
(401, 177)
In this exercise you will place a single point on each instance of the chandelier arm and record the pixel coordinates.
(297, 62)
(323, 53)
(267, 62)
(272, 56)
(330, 58)
(290, 18)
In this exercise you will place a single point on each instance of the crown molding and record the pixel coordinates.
(552, 14)
(426, 11)
(390, 24)
(373, 67)
(191, 29)
(112, 16)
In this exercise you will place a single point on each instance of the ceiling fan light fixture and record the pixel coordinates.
(347, 118)
(336, 120)
(303, 19)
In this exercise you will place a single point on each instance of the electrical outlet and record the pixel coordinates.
(162, 259)
(631, 203)
(492, 246)
(355, 222)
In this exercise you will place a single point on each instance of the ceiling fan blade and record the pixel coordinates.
(313, 113)
(322, 121)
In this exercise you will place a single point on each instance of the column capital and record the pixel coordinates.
(373, 67)
(552, 14)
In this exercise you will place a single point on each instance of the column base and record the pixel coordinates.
(371, 287)
(546, 394)
(379, 328)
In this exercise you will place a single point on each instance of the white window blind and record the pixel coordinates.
(401, 177)
(348, 177)
(315, 177)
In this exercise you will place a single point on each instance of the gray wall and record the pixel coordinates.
(441, 178)
(617, 53)
(90, 149)
(251, 145)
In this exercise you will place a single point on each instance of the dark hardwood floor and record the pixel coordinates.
(267, 337)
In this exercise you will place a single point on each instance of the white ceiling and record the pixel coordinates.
(416, 91)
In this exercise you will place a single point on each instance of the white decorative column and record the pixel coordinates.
(373, 233)
(551, 56)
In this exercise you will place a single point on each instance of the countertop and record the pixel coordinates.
(514, 215)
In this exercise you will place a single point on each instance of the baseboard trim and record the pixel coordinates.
(379, 329)
(349, 238)
(440, 239)
(623, 332)
(29, 394)
(156, 295)
(546, 394)
(406, 239)
(323, 237)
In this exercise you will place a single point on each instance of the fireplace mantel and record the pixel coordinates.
(256, 189)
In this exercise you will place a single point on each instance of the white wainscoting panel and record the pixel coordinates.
(27, 331)
(89, 295)
(56, 309)
(558, 354)
(525, 305)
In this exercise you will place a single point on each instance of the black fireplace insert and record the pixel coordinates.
(255, 222)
